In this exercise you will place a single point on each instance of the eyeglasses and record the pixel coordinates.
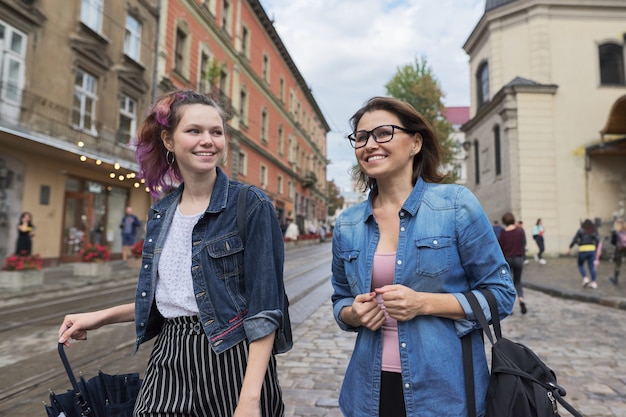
(381, 134)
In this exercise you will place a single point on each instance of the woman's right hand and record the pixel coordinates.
(75, 326)
(365, 311)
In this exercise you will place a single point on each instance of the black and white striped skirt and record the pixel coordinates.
(186, 378)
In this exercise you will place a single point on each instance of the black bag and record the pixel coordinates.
(103, 395)
(521, 384)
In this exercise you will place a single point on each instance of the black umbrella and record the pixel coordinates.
(103, 395)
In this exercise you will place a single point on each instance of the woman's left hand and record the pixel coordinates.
(401, 302)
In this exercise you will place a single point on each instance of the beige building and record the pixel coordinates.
(547, 134)
(73, 81)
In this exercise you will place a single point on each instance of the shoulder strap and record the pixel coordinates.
(466, 343)
(241, 212)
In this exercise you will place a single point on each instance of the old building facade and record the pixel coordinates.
(76, 81)
(229, 48)
(547, 134)
(73, 82)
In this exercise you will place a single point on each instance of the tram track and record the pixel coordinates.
(25, 380)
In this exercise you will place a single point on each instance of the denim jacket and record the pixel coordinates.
(445, 245)
(233, 305)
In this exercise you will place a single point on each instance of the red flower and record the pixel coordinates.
(22, 263)
(94, 253)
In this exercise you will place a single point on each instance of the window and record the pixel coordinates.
(128, 120)
(279, 189)
(482, 84)
(266, 68)
(497, 150)
(226, 15)
(12, 57)
(476, 162)
(264, 126)
(179, 51)
(242, 163)
(205, 64)
(91, 14)
(263, 176)
(612, 64)
(245, 42)
(243, 106)
(132, 38)
(281, 140)
(281, 89)
(85, 98)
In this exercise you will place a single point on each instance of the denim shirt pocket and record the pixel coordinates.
(350, 258)
(226, 256)
(433, 255)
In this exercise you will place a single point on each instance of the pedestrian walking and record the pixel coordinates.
(129, 225)
(218, 311)
(512, 240)
(520, 225)
(538, 232)
(618, 240)
(497, 228)
(587, 240)
(401, 261)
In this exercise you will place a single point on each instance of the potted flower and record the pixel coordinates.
(136, 251)
(21, 271)
(93, 261)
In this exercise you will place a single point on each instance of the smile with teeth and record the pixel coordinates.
(376, 158)
(204, 153)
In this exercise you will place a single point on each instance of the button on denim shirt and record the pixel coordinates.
(233, 305)
(445, 245)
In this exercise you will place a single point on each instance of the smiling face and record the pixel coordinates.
(198, 140)
(391, 160)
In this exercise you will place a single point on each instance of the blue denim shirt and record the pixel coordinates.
(445, 245)
(233, 305)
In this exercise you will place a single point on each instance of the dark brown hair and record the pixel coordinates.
(427, 163)
(508, 219)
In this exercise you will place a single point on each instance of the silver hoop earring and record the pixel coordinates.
(167, 158)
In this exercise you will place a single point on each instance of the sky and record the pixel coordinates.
(347, 50)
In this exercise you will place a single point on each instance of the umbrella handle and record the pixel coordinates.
(68, 369)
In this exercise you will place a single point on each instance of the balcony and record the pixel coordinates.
(309, 179)
(38, 116)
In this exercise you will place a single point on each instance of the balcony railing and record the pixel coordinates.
(37, 115)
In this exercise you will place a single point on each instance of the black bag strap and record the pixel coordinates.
(468, 368)
(241, 212)
(468, 356)
(80, 400)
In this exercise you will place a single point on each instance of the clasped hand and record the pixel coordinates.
(400, 302)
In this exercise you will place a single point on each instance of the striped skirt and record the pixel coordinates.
(186, 378)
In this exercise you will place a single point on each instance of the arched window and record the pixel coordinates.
(497, 150)
(611, 64)
(482, 84)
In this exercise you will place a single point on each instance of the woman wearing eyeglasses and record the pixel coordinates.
(401, 261)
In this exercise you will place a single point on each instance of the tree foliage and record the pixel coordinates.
(335, 200)
(417, 85)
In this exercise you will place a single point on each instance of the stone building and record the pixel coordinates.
(547, 134)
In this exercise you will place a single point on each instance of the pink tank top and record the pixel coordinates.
(382, 274)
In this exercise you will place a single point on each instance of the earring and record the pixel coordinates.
(412, 153)
(167, 158)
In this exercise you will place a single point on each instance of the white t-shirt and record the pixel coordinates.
(174, 291)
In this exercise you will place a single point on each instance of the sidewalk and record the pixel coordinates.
(560, 277)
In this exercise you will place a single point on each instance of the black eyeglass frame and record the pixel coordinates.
(370, 134)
